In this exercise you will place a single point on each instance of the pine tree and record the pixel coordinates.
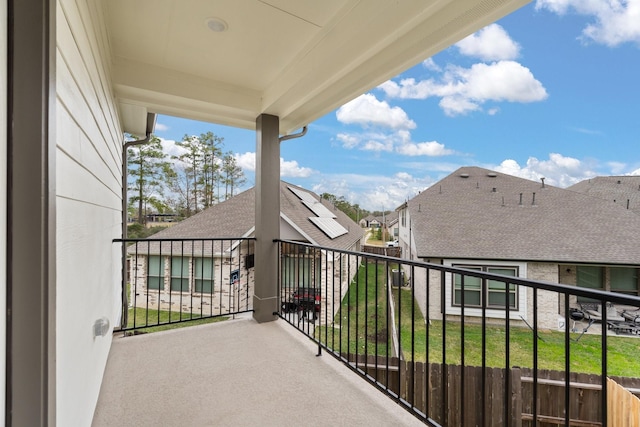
(146, 170)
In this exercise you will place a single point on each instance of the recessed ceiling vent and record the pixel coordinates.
(464, 175)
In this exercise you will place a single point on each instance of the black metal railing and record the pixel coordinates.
(167, 281)
(477, 345)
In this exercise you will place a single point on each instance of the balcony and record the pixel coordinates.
(428, 343)
(235, 373)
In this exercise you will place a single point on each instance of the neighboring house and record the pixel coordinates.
(217, 277)
(392, 224)
(622, 190)
(370, 222)
(480, 219)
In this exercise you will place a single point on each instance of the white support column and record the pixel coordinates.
(265, 299)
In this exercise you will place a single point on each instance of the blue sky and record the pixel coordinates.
(552, 90)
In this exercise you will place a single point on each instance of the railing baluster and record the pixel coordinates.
(535, 357)
(603, 375)
(445, 374)
(507, 356)
(462, 352)
(567, 366)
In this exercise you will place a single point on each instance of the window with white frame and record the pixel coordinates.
(203, 274)
(494, 293)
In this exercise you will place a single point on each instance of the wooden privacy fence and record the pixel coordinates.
(393, 251)
(421, 385)
(623, 407)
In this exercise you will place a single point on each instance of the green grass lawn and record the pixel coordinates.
(359, 320)
(165, 320)
(585, 355)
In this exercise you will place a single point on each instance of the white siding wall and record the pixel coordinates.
(3, 204)
(89, 141)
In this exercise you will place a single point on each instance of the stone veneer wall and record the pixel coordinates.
(223, 300)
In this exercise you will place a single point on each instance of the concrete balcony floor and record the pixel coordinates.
(236, 373)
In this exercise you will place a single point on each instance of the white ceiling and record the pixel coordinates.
(297, 59)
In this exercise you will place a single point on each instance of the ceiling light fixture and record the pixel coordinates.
(216, 25)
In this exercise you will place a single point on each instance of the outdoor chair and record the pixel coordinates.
(594, 311)
(632, 316)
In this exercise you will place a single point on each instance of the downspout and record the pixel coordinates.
(151, 123)
(294, 135)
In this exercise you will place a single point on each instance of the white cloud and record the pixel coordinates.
(492, 43)
(465, 89)
(559, 170)
(430, 64)
(161, 127)
(617, 167)
(348, 140)
(373, 192)
(246, 161)
(410, 89)
(367, 110)
(398, 141)
(615, 21)
(171, 148)
(372, 145)
(292, 169)
(635, 172)
(432, 148)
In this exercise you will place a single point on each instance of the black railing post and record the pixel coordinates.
(535, 357)
(603, 376)
(462, 349)
(567, 365)
(445, 373)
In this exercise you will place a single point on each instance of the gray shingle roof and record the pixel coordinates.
(477, 213)
(623, 190)
(236, 217)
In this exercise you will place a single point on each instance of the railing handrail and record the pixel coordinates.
(179, 239)
(214, 282)
(538, 284)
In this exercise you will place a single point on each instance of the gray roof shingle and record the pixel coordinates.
(623, 190)
(235, 217)
(475, 213)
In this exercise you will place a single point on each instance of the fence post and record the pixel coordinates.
(516, 397)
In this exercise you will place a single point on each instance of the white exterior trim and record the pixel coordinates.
(298, 229)
(519, 314)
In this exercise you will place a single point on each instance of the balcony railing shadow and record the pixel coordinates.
(452, 346)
